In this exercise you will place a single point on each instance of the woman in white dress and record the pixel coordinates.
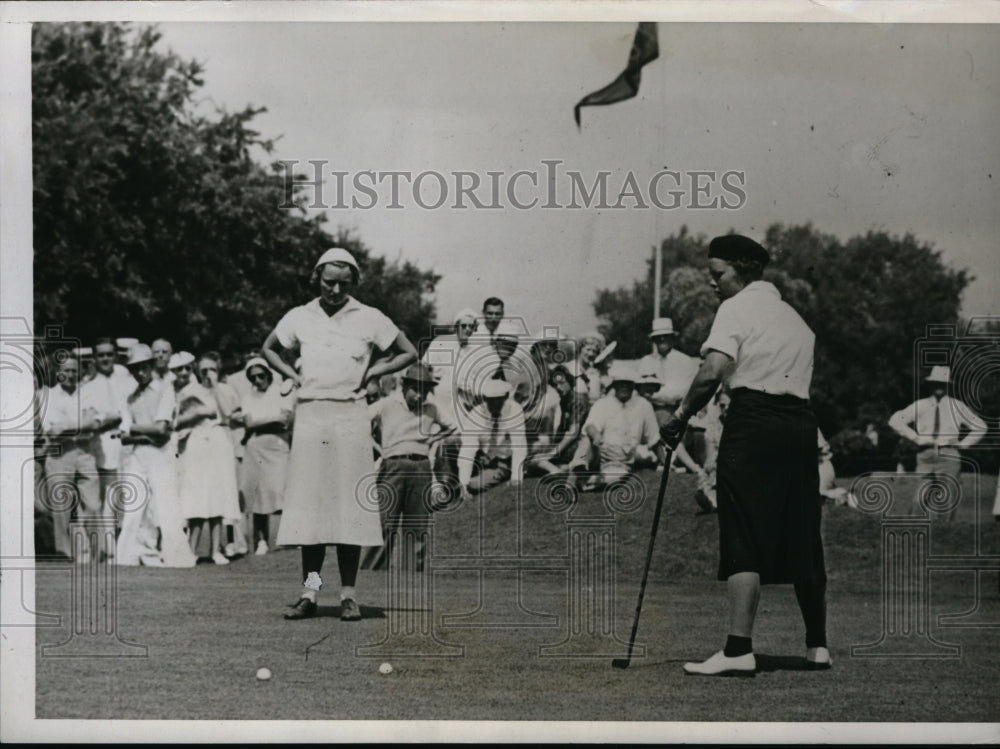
(337, 340)
(266, 415)
(207, 467)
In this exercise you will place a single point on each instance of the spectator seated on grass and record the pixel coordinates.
(494, 452)
(617, 424)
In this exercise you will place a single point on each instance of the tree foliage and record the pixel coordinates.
(152, 219)
(869, 300)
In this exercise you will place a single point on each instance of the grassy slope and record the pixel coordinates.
(209, 629)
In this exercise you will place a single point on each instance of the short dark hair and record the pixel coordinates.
(105, 340)
(492, 301)
(748, 270)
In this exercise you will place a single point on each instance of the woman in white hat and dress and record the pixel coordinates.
(331, 465)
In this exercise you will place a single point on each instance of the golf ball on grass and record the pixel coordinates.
(263, 674)
(385, 668)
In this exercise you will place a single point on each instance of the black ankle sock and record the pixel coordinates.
(812, 603)
(738, 646)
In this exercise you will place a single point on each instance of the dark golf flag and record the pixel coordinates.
(645, 49)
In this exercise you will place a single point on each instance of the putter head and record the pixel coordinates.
(620, 663)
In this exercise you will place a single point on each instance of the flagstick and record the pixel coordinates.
(657, 278)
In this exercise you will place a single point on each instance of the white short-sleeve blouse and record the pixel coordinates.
(335, 349)
(771, 345)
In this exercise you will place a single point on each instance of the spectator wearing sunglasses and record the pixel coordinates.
(445, 356)
(266, 416)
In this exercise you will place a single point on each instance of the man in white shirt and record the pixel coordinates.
(674, 369)
(112, 392)
(162, 351)
(493, 313)
(70, 422)
(495, 451)
(939, 421)
(150, 454)
(616, 426)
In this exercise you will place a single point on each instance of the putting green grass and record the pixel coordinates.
(209, 629)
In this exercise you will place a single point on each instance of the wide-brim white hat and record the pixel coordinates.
(606, 352)
(939, 374)
(662, 326)
(622, 374)
(140, 353)
(180, 359)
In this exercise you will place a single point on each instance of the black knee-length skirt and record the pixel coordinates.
(768, 490)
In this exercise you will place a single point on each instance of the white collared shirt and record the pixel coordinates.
(623, 426)
(509, 440)
(676, 371)
(404, 431)
(335, 349)
(953, 415)
(771, 345)
(61, 407)
(111, 397)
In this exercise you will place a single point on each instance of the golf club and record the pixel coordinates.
(623, 662)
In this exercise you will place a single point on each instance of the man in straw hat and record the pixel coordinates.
(673, 368)
(935, 424)
(409, 426)
(341, 345)
(150, 454)
(616, 426)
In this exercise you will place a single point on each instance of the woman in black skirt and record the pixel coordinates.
(768, 478)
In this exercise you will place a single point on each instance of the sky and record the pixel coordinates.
(850, 127)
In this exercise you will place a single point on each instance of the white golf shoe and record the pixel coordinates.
(722, 665)
(819, 659)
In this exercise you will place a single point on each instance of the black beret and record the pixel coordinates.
(737, 247)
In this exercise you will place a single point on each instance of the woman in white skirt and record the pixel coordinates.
(335, 338)
(206, 466)
(266, 414)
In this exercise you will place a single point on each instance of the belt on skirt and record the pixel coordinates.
(409, 456)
